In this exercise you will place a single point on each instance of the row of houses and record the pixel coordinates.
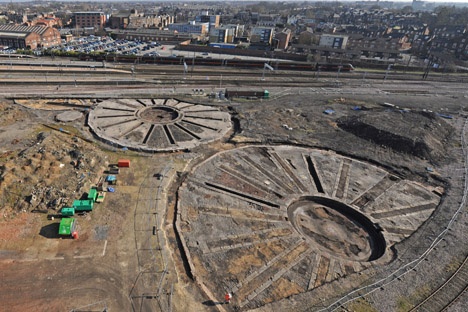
(373, 40)
(300, 35)
(40, 36)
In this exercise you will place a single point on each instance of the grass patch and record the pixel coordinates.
(407, 303)
(361, 305)
(453, 266)
(403, 304)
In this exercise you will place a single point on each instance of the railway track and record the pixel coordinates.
(172, 79)
(448, 293)
(171, 72)
(215, 80)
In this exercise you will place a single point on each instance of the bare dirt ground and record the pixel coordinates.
(103, 269)
(42, 170)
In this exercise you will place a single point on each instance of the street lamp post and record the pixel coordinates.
(388, 69)
(339, 70)
(193, 64)
(428, 68)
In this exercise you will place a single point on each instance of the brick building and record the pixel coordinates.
(32, 37)
(90, 19)
(283, 38)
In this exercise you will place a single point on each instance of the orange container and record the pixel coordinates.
(123, 163)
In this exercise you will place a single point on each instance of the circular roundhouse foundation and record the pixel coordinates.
(157, 124)
(268, 222)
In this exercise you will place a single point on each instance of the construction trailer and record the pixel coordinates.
(67, 227)
(92, 194)
(83, 205)
(67, 211)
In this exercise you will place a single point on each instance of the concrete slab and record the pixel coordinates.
(69, 116)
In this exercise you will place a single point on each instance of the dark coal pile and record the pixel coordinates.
(421, 134)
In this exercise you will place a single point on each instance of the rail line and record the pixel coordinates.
(143, 82)
(448, 293)
(200, 72)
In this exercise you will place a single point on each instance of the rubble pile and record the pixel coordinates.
(49, 174)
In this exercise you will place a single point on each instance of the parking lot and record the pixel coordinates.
(93, 44)
(108, 45)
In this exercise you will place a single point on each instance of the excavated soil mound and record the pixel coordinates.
(421, 134)
(49, 174)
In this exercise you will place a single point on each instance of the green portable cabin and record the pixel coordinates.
(67, 226)
(68, 211)
(83, 205)
(92, 194)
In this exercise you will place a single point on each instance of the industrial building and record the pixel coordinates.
(28, 37)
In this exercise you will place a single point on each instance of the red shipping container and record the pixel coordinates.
(123, 163)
